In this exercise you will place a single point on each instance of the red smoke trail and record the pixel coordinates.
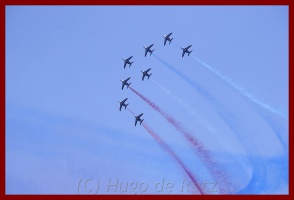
(131, 111)
(170, 152)
(173, 155)
(196, 145)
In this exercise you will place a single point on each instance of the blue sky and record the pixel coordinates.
(63, 70)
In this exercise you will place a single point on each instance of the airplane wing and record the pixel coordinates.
(148, 70)
(143, 77)
(127, 79)
(168, 35)
(165, 41)
(183, 53)
(140, 115)
(145, 52)
(122, 87)
(136, 121)
(130, 58)
(150, 46)
(125, 64)
(120, 107)
(125, 100)
(188, 47)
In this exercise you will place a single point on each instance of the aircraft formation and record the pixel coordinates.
(127, 61)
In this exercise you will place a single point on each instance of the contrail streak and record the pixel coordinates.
(222, 111)
(186, 107)
(197, 147)
(171, 153)
(258, 175)
(240, 89)
(166, 148)
(168, 92)
(176, 45)
(131, 111)
(279, 130)
(275, 126)
(217, 105)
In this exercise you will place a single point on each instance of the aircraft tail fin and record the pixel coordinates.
(149, 76)
(126, 106)
(129, 85)
(171, 40)
(151, 52)
(189, 53)
(131, 64)
(141, 121)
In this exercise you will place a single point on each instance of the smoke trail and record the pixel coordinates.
(176, 45)
(186, 106)
(171, 153)
(258, 176)
(226, 115)
(257, 183)
(197, 147)
(168, 92)
(278, 129)
(241, 89)
(131, 111)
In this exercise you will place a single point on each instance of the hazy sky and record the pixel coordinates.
(63, 125)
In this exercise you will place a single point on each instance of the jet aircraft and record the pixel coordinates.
(148, 49)
(127, 61)
(167, 38)
(137, 118)
(122, 103)
(185, 50)
(145, 73)
(125, 82)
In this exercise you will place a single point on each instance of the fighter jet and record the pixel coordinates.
(125, 82)
(127, 61)
(185, 50)
(148, 49)
(122, 103)
(145, 73)
(137, 118)
(167, 38)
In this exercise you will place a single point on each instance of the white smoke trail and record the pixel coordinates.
(242, 90)
(258, 182)
(190, 110)
(176, 45)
